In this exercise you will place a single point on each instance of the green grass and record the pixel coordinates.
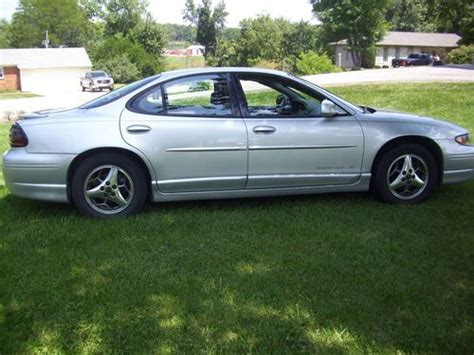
(334, 273)
(8, 95)
(174, 63)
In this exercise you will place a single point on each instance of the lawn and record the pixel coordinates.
(7, 95)
(333, 273)
(173, 63)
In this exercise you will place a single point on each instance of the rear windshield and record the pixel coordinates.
(414, 56)
(117, 94)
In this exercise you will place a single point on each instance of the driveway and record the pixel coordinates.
(414, 74)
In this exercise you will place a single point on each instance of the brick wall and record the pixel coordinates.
(11, 79)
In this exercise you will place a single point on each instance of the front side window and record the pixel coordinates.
(203, 96)
(2, 75)
(267, 96)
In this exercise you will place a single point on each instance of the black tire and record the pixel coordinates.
(129, 170)
(83, 88)
(391, 160)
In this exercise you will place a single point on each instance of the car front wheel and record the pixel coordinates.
(405, 175)
(109, 185)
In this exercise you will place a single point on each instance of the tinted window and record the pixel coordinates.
(98, 74)
(205, 95)
(268, 96)
(119, 93)
(151, 102)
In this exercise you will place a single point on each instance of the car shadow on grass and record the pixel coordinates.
(322, 273)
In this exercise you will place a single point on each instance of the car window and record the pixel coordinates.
(204, 95)
(268, 96)
(98, 74)
(151, 102)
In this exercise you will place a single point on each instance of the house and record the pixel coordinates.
(43, 69)
(400, 45)
(195, 50)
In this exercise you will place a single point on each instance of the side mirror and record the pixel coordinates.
(328, 108)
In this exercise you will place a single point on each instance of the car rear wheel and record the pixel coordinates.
(109, 185)
(405, 175)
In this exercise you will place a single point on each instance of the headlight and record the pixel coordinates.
(462, 139)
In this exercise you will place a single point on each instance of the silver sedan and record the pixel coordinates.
(226, 133)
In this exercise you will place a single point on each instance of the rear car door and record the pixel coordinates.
(191, 130)
(290, 143)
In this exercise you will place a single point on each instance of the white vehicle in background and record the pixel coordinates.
(97, 80)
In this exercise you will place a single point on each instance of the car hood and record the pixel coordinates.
(407, 118)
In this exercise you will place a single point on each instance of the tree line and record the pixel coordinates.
(122, 37)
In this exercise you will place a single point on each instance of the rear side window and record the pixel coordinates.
(202, 96)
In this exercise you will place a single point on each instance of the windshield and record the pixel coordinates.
(414, 56)
(117, 94)
(98, 74)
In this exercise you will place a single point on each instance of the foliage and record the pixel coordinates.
(299, 38)
(409, 15)
(361, 22)
(151, 36)
(4, 34)
(65, 21)
(120, 67)
(461, 55)
(209, 22)
(121, 16)
(180, 33)
(313, 63)
(146, 63)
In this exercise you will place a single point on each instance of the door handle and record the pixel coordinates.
(264, 129)
(138, 129)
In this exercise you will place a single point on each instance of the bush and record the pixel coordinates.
(461, 55)
(120, 68)
(312, 63)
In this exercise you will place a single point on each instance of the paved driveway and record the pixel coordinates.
(414, 74)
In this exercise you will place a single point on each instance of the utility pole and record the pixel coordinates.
(46, 40)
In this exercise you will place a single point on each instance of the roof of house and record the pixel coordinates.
(42, 58)
(418, 39)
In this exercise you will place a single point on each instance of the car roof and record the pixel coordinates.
(194, 71)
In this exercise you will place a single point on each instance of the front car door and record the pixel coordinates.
(290, 143)
(191, 130)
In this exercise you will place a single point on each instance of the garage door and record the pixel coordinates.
(50, 80)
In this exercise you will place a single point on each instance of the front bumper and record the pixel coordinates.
(98, 85)
(37, 176)
(458, 161)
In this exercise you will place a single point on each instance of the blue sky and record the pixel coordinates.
(165, 11)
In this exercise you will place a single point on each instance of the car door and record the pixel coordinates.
(290, 143)
(191, 131)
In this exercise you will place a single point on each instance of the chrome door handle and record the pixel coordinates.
(138, 129)
(264, 129)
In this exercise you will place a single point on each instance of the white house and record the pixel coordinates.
(195, 50)
(43, 69)
(400, 45)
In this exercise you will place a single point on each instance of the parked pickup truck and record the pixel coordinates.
(413, 59)
(97, 80)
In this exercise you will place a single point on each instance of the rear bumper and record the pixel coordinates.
(37, 176)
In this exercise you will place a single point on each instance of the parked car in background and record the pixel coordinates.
(97, 80)
(227, 133)
(412, 60)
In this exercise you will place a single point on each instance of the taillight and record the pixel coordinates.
(18, 137)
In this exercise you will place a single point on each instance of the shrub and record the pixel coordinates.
(461, 55)
(313, 63)
(120, 68)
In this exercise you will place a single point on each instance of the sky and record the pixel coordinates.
(170, 11)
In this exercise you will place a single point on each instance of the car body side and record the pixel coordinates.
(43, 169)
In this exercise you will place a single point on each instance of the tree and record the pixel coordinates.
(209, 22)
(150, 35)
(361, 22)
(64, 20)
(301, 37)
(4, 34)
(120, 67)
(409, 15)
(121, 16)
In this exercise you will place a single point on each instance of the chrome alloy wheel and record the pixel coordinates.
(108, 189)
(407, 177)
